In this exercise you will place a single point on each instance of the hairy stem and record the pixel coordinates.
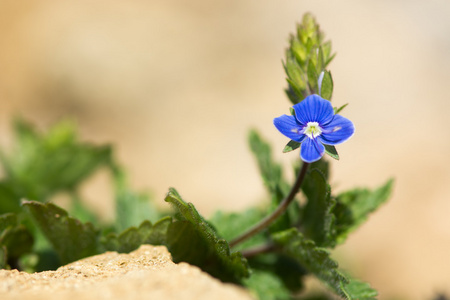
(264, 223)
(247, 253)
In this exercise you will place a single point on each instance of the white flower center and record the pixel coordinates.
(312, 130)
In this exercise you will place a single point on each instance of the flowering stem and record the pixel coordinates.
(277, 212)
(247, 253)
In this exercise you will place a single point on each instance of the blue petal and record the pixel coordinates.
(311, 150)
(314, 109)
(288, 126)
(337, 131)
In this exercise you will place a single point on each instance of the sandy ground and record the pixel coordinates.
(176, 85)
(147, 273)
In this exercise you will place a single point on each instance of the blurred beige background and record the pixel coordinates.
(176, 85)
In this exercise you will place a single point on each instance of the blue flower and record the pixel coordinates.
(313, 126)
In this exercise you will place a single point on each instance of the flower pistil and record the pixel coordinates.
(312, 130)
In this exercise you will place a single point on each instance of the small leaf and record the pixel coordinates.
(330, 59)
(81, 212)
(338, 110)
(317, 261)
(228, 225)
(312, 78)
(320, 60)
(43, 164)
(293, 95)
(277, 186)
(327, 86)
(311, 55)
(286, 269)
(186, 243)
(292, 145)
(133, 237)
(360, 290)
(310, 27)
(294, 73)
(292, 111)
(7, 220)
(270, 171)
(317, 219)
(326, 48)
(193, 240)
(353, 207)
(3, 257)
(9, 198)
(15, 238)
(331, 151)
(322, 165)
(18, 241)
(132, 207)
(71, 239)
(267, 286)
(314, 259)
(298, 50)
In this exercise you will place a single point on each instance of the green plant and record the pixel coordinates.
(286, 241)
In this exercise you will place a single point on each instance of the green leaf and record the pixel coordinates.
(327, 86)
(286, 269)
(309, 29)
(132, 207)
(322, 165)
(15, 238)
(294, 71)
(229, 225)
(353, 207)
(277, 186)
(297, 50)
(271, 172)
(331, 151)
(314, 259)
(272, 274)
(338, 110)
(316, 296)
(18, 241)
(326, 48)
(292, 111)
(292, 145)
(312, 78)
(43, 164)
(311, 55)
(8, 220)
(296, 77)
(317, 219)
(9, 198)
(3, 257)
(318, 262)
(360, 290)
(133, 237)
(193, 240)
(320, 60)
(186, 243)
(71, 239)
(81, 212)
(294, 94)
(330, 59)
(266, 286)
(327, 54)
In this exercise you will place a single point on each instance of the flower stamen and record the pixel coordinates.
(312, 130)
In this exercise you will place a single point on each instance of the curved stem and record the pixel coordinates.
(277, 212)
(247, 253)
